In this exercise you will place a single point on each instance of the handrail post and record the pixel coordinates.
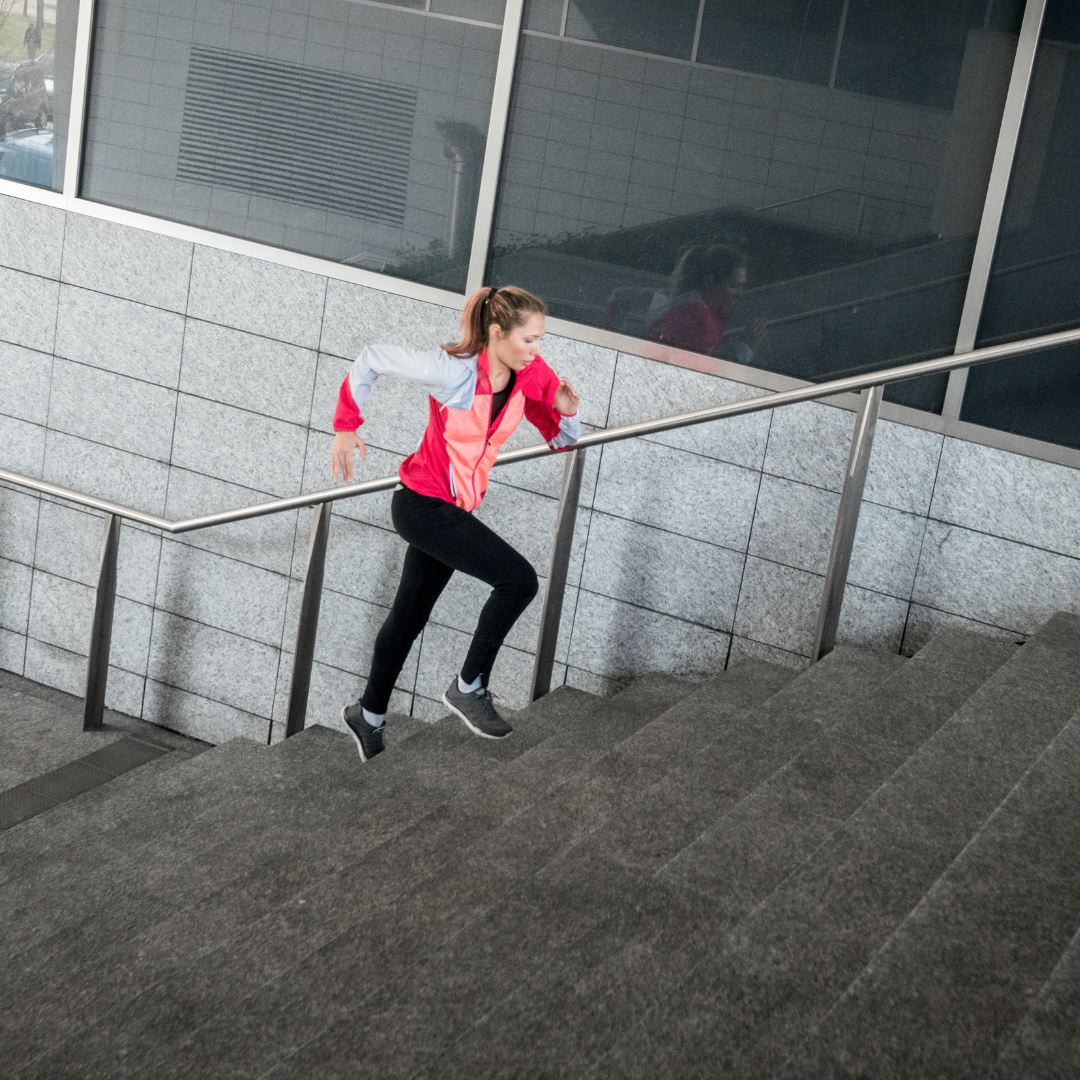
(847, 522)
(97, 664)
(551, 615)
(309, 621)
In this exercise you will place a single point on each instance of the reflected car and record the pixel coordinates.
(26, 103)
(28, 156)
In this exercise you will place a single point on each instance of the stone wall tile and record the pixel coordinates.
(872, 620)
(135, 264)
(1008, 495)
(647, 389)
(28, 310)
(356, 316)
(15, 581)
(66, 671)
(31, 236)
(903, 467)
(106, 472)
(266, 542)
(743, 648)
(620, 641)
(590, 368)
(119, 335)
(264, 376)
(809, 443)
(238, 446)
(794, 524)
(373, 508)
(230, 595)
(199, 717)
(662, 571)
(101, 407)
(994, 581)
(778, 606)
(18, 525)
(362, 560)
(593, 684)
(924, 622)
(12, 651)
(886, 551)
(22, 446)
(25, 377)
(685, 493)
(260, 297)
(204, 660)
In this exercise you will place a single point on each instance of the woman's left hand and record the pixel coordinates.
(567, 399)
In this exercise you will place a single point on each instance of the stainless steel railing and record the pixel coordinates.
(872, 385)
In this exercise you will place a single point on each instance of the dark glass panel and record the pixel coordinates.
(665, 29)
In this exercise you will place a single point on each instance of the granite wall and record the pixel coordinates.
(183, 379)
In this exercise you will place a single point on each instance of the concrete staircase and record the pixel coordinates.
(868, 869)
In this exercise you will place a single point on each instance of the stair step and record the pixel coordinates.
(951, 984)
(755, 995)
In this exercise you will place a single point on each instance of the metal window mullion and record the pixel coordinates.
(994, 205)
(80, 90)
(496, 137)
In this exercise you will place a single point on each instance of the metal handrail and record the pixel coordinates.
(871, 383)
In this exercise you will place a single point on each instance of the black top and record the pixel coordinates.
(500, 398)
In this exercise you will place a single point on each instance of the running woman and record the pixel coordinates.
(479, 390)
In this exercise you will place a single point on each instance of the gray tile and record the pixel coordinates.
(69, 545)
(62, 613)
(923, 623)
(619, 641)
(264, 541)
(223, 593)
(212, 663)
(119, 335)
(810, 443)
(260, 297)
(31, 236)
(886, 552)
(25, 377)
(647, 389)
(106, 472)
(28, 309)
(66, 671)
(239, 446)
(662, 571)
(199, 717)
(697, 496)
(589, 367)
(235, 368)
(135, 264)
(1015, 497)
(903, 467)
(12, 651)
(14, 595)
(362, 560)
(356, 316)
(872, 619)
(102, 407)
(22, 446)
(743, 648)
(994, 581)
(778, 606)
(593, 684)
(524, 520)
(18, 525)
(373, 508)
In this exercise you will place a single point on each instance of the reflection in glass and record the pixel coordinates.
(1035, 282)
(37, 54)
(354, 131)
(852, 204)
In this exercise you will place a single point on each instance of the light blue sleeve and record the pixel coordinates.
(449, 380)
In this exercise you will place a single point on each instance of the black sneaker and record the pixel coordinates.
(369, 740)
(478, 712)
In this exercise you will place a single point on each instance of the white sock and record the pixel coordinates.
(374, 719)
(468, 688)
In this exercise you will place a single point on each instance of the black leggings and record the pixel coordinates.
(443, 538)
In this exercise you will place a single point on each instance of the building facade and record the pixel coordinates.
(239, 196)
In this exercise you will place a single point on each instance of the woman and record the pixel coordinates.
(707, 282)
(479, 390)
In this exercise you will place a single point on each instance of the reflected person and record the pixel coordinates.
(707, 282)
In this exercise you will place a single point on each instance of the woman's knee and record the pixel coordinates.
(527, 584)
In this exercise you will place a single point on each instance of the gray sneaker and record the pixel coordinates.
(478, 712)
(369, 740)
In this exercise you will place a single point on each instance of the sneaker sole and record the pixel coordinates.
(472, 727)
(356, 738)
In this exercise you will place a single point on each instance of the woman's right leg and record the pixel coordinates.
(423, 579)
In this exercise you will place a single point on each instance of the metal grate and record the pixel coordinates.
(304, 135)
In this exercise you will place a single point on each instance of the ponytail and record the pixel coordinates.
(506, 307)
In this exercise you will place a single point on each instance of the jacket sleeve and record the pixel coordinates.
(451, 381)
(559, 431)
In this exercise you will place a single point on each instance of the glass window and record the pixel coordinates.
(37, 55)
(1035, 281)
(348, 130)
(771, 181)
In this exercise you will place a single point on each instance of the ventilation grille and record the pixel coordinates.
(306, 136)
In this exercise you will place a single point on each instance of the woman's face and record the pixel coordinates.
(517, 348)
(725, 294)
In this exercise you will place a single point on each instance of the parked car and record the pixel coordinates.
(28, 156)
(26, 104)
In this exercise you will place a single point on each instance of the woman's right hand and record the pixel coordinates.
(341, 457)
